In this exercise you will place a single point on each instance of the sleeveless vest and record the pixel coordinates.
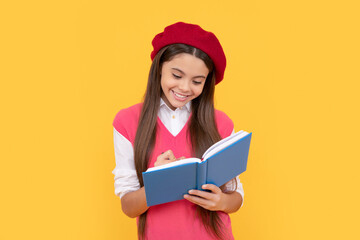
(178, 219)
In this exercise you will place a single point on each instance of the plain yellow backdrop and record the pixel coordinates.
(292, 79)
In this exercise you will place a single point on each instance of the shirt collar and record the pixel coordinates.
(187, 105)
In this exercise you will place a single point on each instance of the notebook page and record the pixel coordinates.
(173, 164)
(225, 144)
(221, 142)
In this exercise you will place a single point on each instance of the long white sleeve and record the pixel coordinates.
(125, 174)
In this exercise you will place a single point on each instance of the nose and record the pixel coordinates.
(184, 85)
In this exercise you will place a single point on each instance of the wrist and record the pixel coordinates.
(224, 199)
(232, 202)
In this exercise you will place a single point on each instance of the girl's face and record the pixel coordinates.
(182, 79)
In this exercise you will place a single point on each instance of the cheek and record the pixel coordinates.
(164, 83)
(168, 83)
(198, 90)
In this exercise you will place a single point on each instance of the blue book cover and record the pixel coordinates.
(222, 162)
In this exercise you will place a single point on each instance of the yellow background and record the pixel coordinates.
(292, 79)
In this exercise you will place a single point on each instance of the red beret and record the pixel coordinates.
(195, 36)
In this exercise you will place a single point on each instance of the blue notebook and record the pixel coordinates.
(222, 162)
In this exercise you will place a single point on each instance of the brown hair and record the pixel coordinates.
(202, 126)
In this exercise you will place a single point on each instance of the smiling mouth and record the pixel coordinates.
(179, 96)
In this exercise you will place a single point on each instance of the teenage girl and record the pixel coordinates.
(177, 119)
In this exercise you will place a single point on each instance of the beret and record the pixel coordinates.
(193, 35)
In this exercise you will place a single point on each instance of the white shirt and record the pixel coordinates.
(125, 174)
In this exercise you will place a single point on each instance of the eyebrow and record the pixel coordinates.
(200, 76)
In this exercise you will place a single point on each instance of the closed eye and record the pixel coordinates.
(197, 82)
(176, 76)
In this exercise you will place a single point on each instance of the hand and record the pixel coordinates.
(214, 200)
(166, 157)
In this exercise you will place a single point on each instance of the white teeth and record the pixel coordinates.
(180, 96)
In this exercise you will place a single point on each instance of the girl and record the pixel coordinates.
(177, 119)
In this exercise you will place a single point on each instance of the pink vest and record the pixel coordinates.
(178, 219)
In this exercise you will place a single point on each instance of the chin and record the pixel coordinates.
(178, 105)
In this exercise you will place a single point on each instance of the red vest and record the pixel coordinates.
(178, 219)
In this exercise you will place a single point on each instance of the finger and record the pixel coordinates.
(166, 155)
(169, 155)
(198, 200)
(212, 187)
(201, 194)
(181, 158)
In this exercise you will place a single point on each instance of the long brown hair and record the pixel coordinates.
(202, 126)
